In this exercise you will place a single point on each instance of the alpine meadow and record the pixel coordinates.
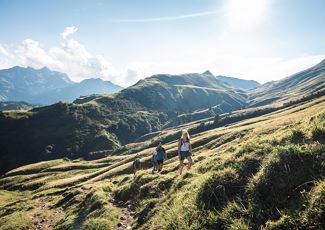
(162, 115)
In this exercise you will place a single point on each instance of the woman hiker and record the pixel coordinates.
(160, 156)
(184, 151)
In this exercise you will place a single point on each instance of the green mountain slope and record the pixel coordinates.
(265, 172)
(183, 93)
(298, 85)
(105, 122)
(68, 130)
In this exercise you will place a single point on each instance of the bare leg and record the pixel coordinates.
(159, 167)
(181, 165)
(189, 162)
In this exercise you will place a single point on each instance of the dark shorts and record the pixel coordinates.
(160, 161)
(185, 154)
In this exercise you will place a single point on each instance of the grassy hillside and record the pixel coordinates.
(69, 130)
(296, 86)
(267, 171)
(184, 93)
(106, 122)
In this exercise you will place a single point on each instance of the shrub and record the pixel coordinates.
(314, 215)
(247, 165)
(318, 133)
(297, 136)
(317, 125)
(231, 217)
(287, 172)
(218, 189)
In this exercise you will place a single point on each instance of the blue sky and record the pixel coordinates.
(124, 40)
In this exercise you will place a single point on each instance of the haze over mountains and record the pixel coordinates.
(107, 122)
(43, 86)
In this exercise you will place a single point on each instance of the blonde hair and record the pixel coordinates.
(186, 134)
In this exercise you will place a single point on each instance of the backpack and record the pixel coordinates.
(154, 156)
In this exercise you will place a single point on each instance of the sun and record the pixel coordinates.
(246, 12)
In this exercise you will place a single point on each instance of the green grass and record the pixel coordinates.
(16, 220)
(265, 172)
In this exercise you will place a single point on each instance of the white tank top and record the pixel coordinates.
(185, 145)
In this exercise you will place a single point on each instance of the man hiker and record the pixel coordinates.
(161, 155)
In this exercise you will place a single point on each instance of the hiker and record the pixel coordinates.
(154, 162)
(136, 164)
(161, 155)
(184, 151)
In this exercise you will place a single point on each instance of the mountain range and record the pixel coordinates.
(109, 121)
(262, 172)
(43, 86)
(16, 105)
(258, 157)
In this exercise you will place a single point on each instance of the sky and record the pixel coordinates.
(126, 40)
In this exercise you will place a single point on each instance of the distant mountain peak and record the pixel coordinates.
(45, 69)
(93, 79)
(208, 72)
(45, 86)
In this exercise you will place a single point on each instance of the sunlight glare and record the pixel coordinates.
(246, 12)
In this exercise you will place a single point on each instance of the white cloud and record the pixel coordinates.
(72, 57)
(68, 31)
(30, 53)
